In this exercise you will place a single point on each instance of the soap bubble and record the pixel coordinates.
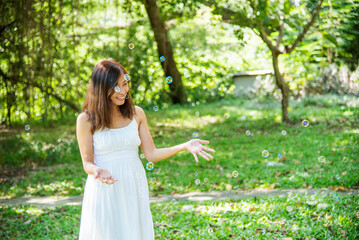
(197, 113)
(248, 133)
(169, 79)
(196, 173)
(345, 159)
(321, 159)
(154, 180)
(279, 155)
(155, 108)
(305, 123)
(142, 156)
(127, 77)
(162, 58)
(265, 153)
(117, 89)
(150, 166)
(195, 135)
(205, 180)
(173, 201)
(131, 46)
(264, 231)
(226, 115)
(27, 127)
(234, 174)
(197, 181)
(201, 232)
(284, 132)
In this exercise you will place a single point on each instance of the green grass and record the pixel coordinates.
(55, 168)
(295, 216)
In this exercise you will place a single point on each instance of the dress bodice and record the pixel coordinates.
(116, 142)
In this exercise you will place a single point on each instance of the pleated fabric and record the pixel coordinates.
(120, 211)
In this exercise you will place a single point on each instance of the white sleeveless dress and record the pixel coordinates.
(120, 211)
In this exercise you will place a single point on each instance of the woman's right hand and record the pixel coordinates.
(104, 176)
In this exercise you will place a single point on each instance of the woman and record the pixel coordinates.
(109, 131)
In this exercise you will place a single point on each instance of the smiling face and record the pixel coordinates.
(120, 91)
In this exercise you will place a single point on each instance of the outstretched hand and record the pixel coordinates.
(104, 176)
(195, 147)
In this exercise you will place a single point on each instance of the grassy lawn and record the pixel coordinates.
(323, 154)
(318, 216)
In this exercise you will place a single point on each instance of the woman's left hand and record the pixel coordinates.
(195, 147)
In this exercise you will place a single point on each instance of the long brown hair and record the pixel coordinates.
(98, 103)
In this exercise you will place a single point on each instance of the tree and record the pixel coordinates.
(280, 26)
(164, 48)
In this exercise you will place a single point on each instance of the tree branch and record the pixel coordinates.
(306, 28)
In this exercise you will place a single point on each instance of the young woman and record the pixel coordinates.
(109, 131)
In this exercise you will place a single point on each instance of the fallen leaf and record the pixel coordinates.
(28, 221)
(343, 173)
(312, 202)
(287, 238)
(322, 206)
(228, 187)
(342, 232)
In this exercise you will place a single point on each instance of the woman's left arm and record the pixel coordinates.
(154, 154)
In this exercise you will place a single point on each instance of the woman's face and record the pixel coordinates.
(121, 90)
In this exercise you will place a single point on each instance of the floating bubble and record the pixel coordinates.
(154, 180)
(131, 7)
(162, 58)
(197, 181)
(336, 196)
(150, 166)
(173, 201)
(205, 180)
(345, 159)
(279, 155)
(265, 153)
(117, 89)
(142, 156)
(337, 176)
(201, 232)
(264, 231)
(196, 173)
(289, 209)
(197, 113)
(127, 77)
(248, 133)
(27, 127)
(28, 134)
(195, 135)
(321, 159)
(305, 123)
(131, 46)
(284, 132)
(155, 108)
(193, 104)
(210, 231)
(234, 174)
(169, 79)
(226, 115)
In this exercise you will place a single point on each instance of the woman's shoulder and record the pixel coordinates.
(139, 111)
(83, 120)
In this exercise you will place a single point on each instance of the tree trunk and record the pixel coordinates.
(283, 86)
(164, 47)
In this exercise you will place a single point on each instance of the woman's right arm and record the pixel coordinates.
(84, 139)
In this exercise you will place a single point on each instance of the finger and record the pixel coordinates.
(113, 179)
(195, 157)
(208, 149)
(203, 141)
(207, 154)
(204, 156)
